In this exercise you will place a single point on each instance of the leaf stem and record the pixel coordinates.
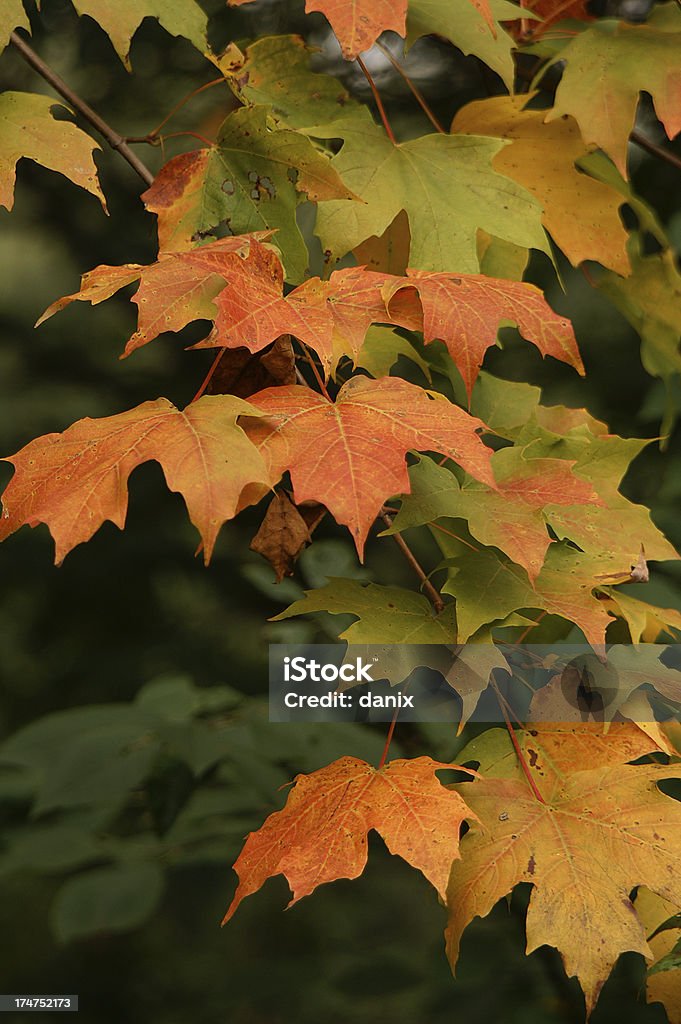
(115, 140)
(207, 379)
(178, 106)
(388, 739)
(503, 704)
(318, 377)
(377, 98)
(417, 94)
(193, 135)
(429, 590)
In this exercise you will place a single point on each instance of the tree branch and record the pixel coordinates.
(115, 140)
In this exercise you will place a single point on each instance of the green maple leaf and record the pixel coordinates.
(275, 72)
(385, 614)
(29, 129)
(651, 301)
(383, 347)
(253, 178)
(447, 187)
(488, 587)
(608, 66)
(120, 20)
(12, 15)
(465, 26)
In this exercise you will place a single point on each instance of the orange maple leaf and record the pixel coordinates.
(358, 23)
(77, 480)
(321, 833)
(179, 288)
(350, 455)
(466, 310)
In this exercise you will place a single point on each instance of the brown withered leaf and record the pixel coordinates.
(243, 373)
(285, 531)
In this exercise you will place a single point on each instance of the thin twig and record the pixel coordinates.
(428, 588)
(193, 135)
(178, 106)
(377, 99)
(417, 94)
(655, 150)
(503, 704)
(207, 379)
(115, 140)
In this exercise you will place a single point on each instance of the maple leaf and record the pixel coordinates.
(321, 833)
(663, 987)
(488, 587)
(511, 517)
(179, 287)
(651, 303)
(580, 213)
(357, 23)
(331, 316)
(645, 621)
(466, 312)
(76, 480)
(275, 72)
(603, 829)
(382, 348)
(607, 66)
(464, 25)
(284, 532)
(446, 185)
(385, 614)
(12, 15)
(251, 179)
(614, 677)
(121, 20)
(388, 252)
(242, 373)
(551, 12)
(350, 455)
(29, 129)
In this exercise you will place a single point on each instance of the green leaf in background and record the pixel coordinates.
(106, 900)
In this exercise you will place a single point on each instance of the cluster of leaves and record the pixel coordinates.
(420, 248)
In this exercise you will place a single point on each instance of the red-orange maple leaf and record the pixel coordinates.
(349, 455)
(77, 480)
(466, 310)
(321, 833)
(178, 288)
(332, 317)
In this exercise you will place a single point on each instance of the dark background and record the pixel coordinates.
(120, 824)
